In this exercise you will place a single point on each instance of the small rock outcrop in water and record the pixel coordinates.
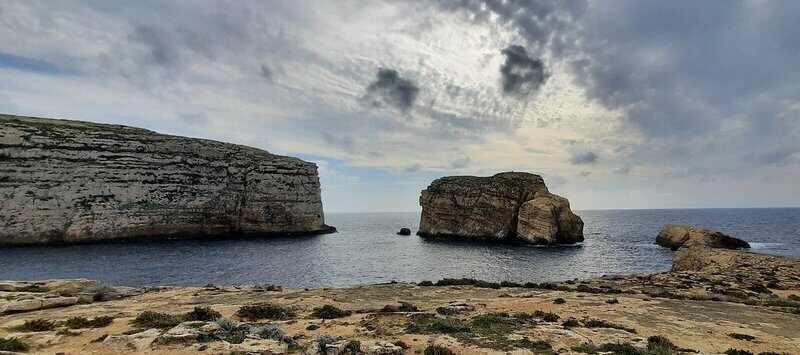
(69, 181)
(506, 206)
(675, 236)
(404, 231)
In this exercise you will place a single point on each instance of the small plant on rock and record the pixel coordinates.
(36, 325)
(202, 314)
(13, 344)
(739, 336)
(438, 350)
(150, 319)
(329, 312)
(265, 311)
(559, 301)
(82, 322)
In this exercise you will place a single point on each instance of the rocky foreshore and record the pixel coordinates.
(713, 301)
(77, 182)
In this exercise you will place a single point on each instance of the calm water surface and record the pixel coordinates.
(367, 250)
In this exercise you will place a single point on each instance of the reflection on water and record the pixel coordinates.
(367, 250)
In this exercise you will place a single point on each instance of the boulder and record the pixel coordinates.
(78, 182)
(404, 231)
(509, 206)
(675, 236)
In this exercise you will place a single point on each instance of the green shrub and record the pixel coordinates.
(236, 338)
(329, 312)
(227, 324)
(438, 350)
(467, 282)
(150, 319)
(598, 323)
(732, 351)
(82, 322)
(353, 347)
(570, 323)
(546, 316)
(202, 314)
(534, 345)
(741, 336)
(437, 325)
(559, 301)
(425, 283)
(265, 311)
(36, 325)
(312, 327)
(510, 284)
(496, 323)
(270, 332)
(13, 344)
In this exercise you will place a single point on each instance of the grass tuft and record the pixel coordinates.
(36, 325)
(13, 344)
(82, 322)
(150, 319)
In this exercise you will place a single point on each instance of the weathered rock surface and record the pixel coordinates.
(506, 206)
(69, 182)
(700, 258)
(675, 236)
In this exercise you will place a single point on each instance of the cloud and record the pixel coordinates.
(389, 89)
(413, 168)
(266, 72)
(623, 170)
(460, 163)
(521, 75)
(585, 173)
(342, 141)
(583, 158)
(161, 49)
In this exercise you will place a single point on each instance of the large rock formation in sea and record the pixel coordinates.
(510, 206)
(675, 236)
(69, 182)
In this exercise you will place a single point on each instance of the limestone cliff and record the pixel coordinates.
(68, 182)
(506, 206)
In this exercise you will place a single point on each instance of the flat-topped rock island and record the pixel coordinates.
(511, 206)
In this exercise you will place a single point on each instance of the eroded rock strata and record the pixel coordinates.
(509, 206)
(68, 181)
(675, 236)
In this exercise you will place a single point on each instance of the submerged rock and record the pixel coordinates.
(404, 231)
(71, 182)
(507, 206)
(675, 236)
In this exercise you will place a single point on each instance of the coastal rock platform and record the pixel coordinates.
(688, 311)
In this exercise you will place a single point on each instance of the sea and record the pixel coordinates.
(367, 250)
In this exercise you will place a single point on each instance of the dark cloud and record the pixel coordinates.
(343, 141)
(193, 119)
(583, 158)
(521, 74)
(460, 163)
(389, 89)
(159, 43)
(266, 72)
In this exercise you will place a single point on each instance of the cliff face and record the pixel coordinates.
(506, 206)
(68, 181)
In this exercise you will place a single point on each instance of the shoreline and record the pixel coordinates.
(695, 309)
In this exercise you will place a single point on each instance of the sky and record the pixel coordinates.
(617, 104)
